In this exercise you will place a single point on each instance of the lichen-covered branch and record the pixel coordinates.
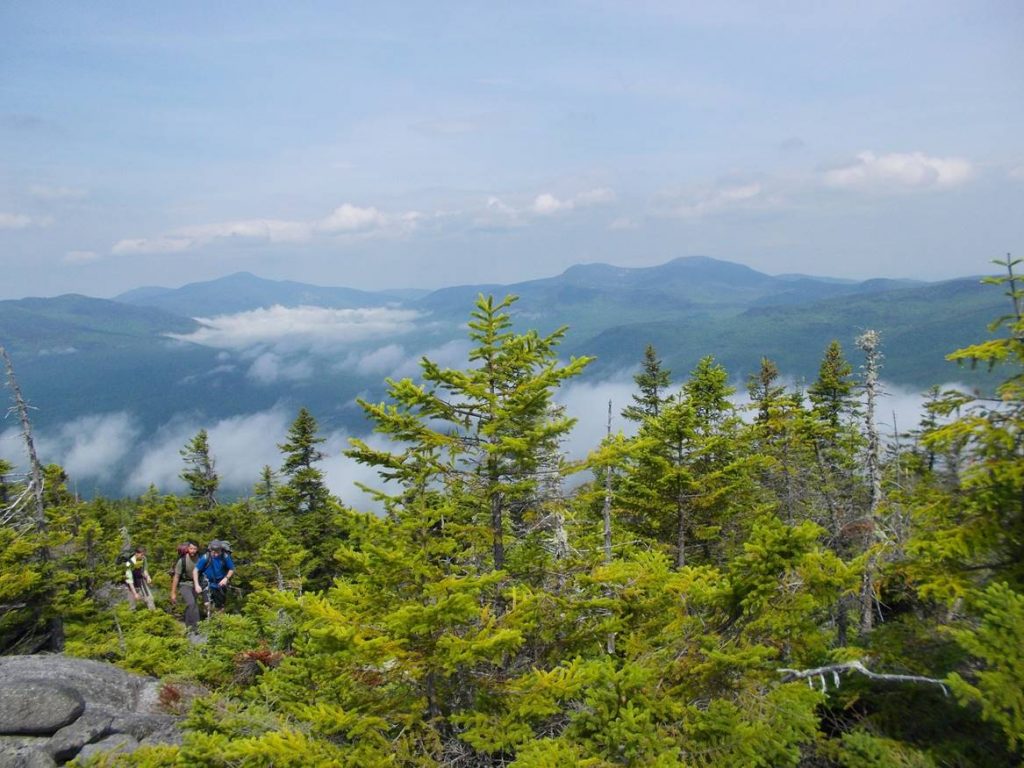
(835, 672)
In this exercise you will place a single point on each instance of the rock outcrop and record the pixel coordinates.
(56, 708)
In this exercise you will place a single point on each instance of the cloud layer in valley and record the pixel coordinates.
(301, 328)
(112, 451)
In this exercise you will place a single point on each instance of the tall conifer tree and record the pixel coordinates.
(653, 382)
(199, 472)
(486, 433)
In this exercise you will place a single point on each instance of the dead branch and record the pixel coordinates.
(836, 670)
(21, 408)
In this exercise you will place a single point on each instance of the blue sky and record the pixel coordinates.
(425, 144)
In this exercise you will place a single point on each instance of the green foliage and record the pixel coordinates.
(481, 621)
(22, 586)
(652, 381)
(199, 473)
(485, 433)
(147, 642)
(832, 392)
(304, 505)
(997, 642)
(860, 749)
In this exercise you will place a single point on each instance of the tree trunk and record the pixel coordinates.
(497, 532)
(606, 511)
(868, 341)
(681, 532)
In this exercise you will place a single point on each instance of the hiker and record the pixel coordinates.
(185, 569)
(136, 576)
(218, 567)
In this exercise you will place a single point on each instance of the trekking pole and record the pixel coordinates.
(147, 595)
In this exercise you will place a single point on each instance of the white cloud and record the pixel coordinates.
(269, 230)
(598, 196)
(719, 199)
(587, 402)
(44, 192)
(497, 214)
(623, 223)
(96, 444)
(15, 220)
(351, 218)
(145, 246)
(270, 367)
(547, 204)
(80, 257)
(346, 219)
(240, 446)
(1017, 172)
(342, 473)
(297, 328)
(914, 170)
(89, 448)
(383, 361)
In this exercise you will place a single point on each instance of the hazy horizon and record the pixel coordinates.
(541, 275)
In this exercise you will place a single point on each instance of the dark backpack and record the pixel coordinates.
(124, 555)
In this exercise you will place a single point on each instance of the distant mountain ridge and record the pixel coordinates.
(688, 280)
(597, 301)
(244, 291)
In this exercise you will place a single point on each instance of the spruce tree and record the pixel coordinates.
(485, 433)
(305, 489)
(652, 381)
(199, 472)
(832, 392)
(266, 488)
(765, 393)
(836, 442)
(305, 499)
(688, 471)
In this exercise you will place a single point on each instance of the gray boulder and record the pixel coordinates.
(68, 741)
(76, 708)
(25, 752)
(38, 707)
(115, 742)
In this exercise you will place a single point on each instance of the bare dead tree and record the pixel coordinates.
(869, 344)
(33, 496)
(34, 489)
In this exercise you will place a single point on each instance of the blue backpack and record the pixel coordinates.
(213, 569)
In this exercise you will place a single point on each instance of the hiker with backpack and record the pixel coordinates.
(136, 576)
(218, 567)
(185, 569)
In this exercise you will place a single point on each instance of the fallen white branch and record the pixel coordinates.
(836, 670)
